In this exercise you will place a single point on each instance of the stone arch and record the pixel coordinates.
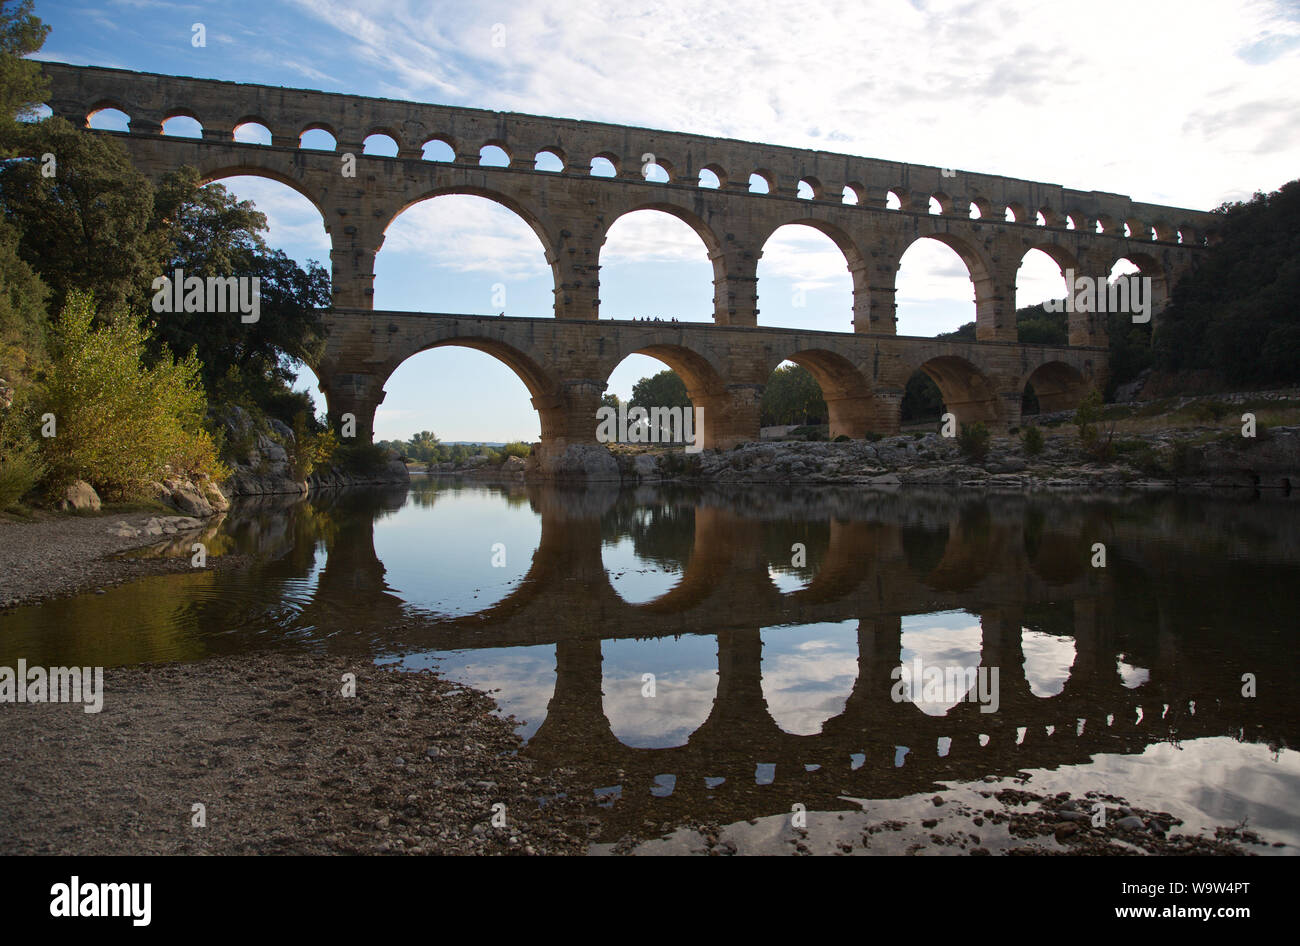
(521, 210)
(980, 270)
(1059, 386)
(967, 392)
(542, 387)
(854, 259)
(208, 175)
(850, 402)
(1148, 265)
(704, 382)
(712, 243)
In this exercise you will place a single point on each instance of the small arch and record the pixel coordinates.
(182, 125)
(438, 149)
(853, 194)
(761, 182)
(604, 165)
(380, 144)
(493, 156)
(893, 201)
(1040, 219)
(810, 189)
(1016, 213)
(980, 208)
(1069, 222)
(655, 172)
(318, 138)
(108, 118)
(934, 205)
(549, 160)
(252, 132)
(709, 179)
(716, 172)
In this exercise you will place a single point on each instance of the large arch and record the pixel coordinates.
(967, 392)
(1057, 385)
(1148, 266)
(850, 403)
(542, 389)
(946, 307)
(813, 269)
(488, 250)
(704, 386)
(660, 246)
(517, 208)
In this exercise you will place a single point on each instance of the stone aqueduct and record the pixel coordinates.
(564, 360)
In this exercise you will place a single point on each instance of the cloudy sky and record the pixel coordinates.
(1185, 103)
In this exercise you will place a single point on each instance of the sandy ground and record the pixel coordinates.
(282, 762)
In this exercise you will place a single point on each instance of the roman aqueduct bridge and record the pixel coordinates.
(565, 359)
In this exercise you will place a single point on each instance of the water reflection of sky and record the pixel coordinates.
(685, 684)
(440, 557)
(636, 579)
(808, 673)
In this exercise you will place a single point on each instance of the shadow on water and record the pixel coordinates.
(744, 649)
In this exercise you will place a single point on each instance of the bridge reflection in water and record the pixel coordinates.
(1152, 648)
(1161, 637)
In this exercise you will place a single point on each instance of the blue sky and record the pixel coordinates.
(1185, 103)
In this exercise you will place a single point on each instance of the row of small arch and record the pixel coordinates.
(654, 169)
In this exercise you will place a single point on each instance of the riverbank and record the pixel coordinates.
(282, 763)
(51, 555)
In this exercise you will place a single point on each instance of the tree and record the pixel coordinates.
(118, 423)
(792, 396)
(664, 389)
(211, 233)
(91, 226)
(22, 84)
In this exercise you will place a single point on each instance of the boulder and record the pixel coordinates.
(578, 461)
(645, 466)
(80, 496)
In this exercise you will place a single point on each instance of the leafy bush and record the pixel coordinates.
(516, 448)
(1032, 439)
(973, 440)
(842, 438)
(310, 447)
(1086, 417)
(360, 459)
(119, 425)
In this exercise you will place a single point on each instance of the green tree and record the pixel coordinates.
(90, 226)
(118, 423)
(211, 233)
(792, 396)
(664, 389)
(22, 84)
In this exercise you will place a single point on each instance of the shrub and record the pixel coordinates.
(120, 425)
(1032, 439)
(842, 438)
(516, 448)
(360, 459)
(1086, 417)
(973, 440)
(310, 447)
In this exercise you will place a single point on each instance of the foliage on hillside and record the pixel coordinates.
(1236, 313)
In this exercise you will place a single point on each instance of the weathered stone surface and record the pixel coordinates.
(80, 496)
(577, 461)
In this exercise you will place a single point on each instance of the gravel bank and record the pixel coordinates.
(283, 763)
(53, 556)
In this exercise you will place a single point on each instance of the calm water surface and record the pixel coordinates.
(722, 654)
